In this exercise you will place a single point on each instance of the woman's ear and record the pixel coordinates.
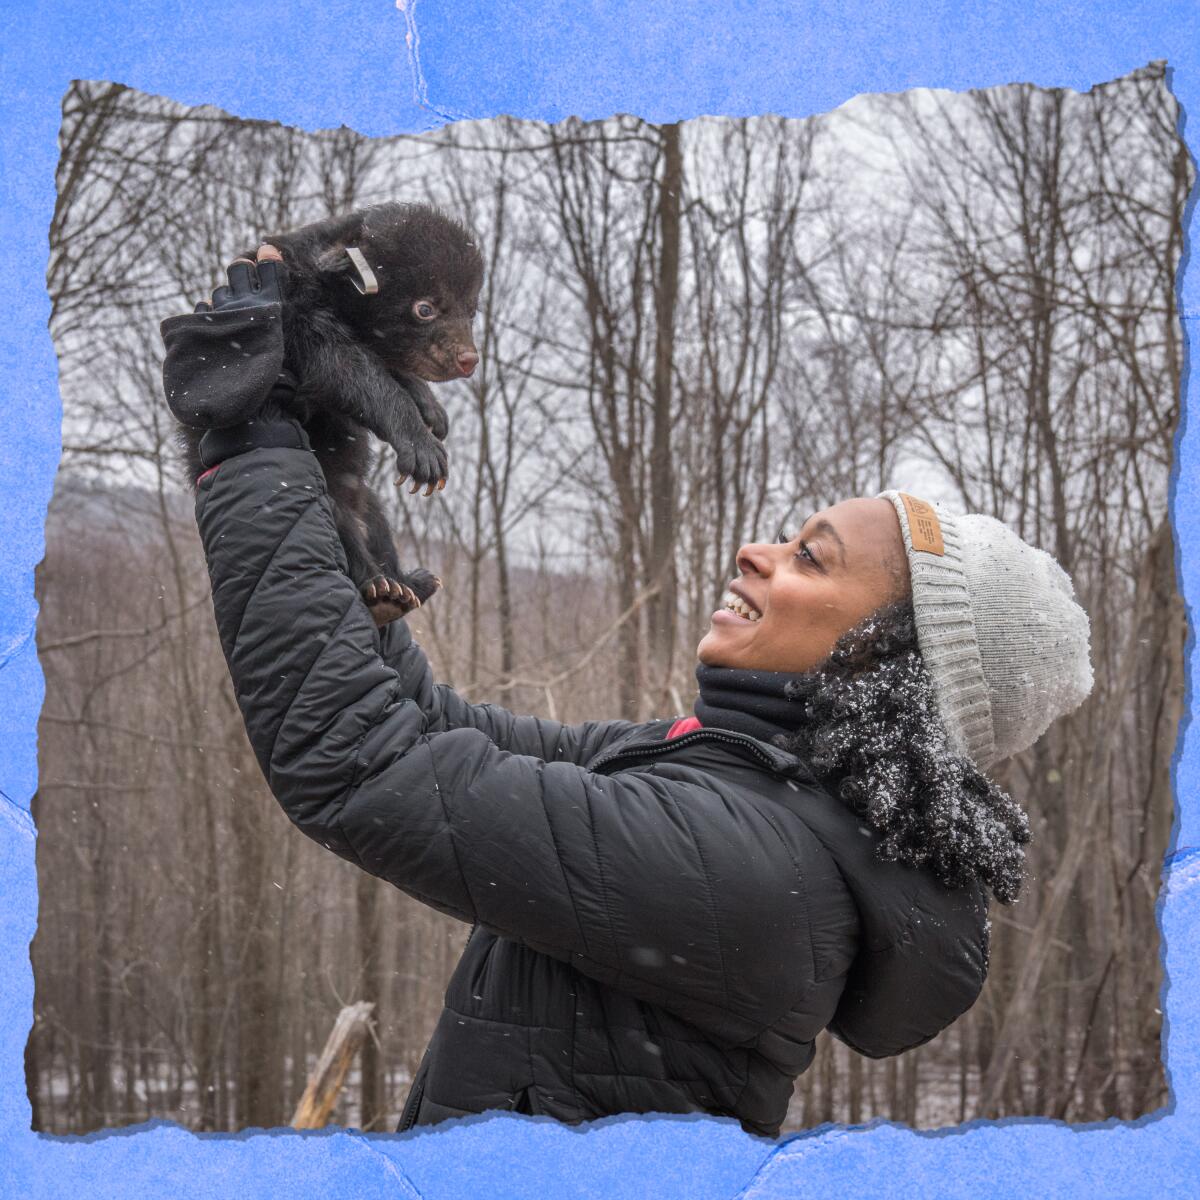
(351, 262)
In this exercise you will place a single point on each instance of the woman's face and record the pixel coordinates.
(842, 565)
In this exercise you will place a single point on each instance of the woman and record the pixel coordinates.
(665, 915)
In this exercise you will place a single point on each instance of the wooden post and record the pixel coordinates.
(350, 1030)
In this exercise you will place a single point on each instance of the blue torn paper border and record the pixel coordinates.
(382, 68)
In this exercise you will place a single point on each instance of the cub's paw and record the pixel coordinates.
(425, 461)
(424, 583)
(388, 599)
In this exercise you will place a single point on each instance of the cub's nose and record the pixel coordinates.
(468, 360)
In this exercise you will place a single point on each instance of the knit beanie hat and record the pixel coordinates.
(998, 626)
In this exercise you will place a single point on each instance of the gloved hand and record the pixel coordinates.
(224, 368)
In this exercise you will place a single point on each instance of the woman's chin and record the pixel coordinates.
(714, 649)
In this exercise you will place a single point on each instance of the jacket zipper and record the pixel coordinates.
(413, 1105)
(697, 735)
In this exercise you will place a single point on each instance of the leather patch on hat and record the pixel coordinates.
(924, 528)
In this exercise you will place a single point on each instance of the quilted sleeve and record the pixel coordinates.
(670, 891)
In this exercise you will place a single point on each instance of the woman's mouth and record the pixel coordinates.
(735, 609)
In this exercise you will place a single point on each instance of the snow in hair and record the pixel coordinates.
(872, 734)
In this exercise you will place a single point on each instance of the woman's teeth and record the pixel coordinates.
(736, 604)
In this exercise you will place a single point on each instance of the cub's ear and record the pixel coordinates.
(351, 262)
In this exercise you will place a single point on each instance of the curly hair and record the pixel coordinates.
(872, 735)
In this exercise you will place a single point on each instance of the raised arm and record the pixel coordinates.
(371, 759)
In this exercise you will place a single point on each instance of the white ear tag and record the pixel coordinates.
(366, 282)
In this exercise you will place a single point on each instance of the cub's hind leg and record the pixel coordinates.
(396, 591)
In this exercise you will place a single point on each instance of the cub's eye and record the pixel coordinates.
(424, 311)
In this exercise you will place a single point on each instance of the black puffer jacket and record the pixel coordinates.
(660, 925)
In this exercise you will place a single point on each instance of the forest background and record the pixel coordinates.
(692, 335)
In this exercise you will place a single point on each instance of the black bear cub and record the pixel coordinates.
(379, 303)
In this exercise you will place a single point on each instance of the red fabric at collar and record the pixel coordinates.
(682, 726)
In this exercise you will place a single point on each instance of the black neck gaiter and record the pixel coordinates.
(751, 702)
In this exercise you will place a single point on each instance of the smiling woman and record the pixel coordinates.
(797, 596)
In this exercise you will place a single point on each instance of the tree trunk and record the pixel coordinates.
(661, 610)
(257, 1066)
(33, 1076)
(350, 1031)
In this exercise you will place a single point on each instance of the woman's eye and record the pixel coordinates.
(783, 537)
(424, 310)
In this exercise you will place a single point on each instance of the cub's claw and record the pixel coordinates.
(421, 460)
(388, 599)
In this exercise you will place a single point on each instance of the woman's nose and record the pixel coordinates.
(754, 558)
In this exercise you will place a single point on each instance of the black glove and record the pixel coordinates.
(225, 359)
(224, 369)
